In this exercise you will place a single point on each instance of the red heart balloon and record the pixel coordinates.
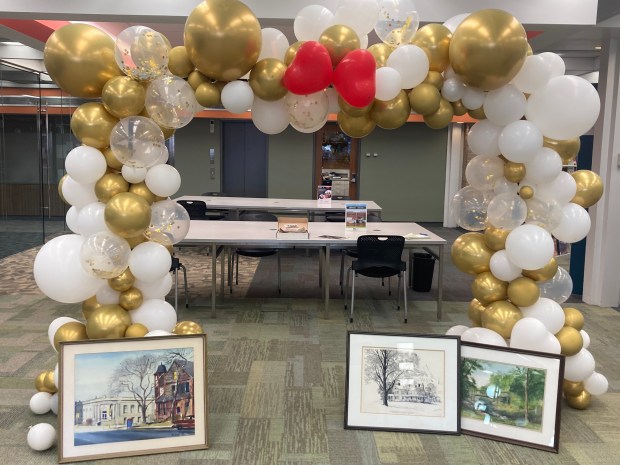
(354, 78)
(310, 71)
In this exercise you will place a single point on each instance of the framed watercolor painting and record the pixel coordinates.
(402, 382)
(511, 395)
(124, 397)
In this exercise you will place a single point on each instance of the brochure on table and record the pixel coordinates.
(324, 195)
(355, 218)
(290, 227)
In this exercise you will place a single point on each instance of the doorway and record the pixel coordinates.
(244, 160)
(336, 162)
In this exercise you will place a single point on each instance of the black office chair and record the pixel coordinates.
(216, 213)
(174, 268)
(352, 251)
(379, 257)
(198, 210)
(255, 252)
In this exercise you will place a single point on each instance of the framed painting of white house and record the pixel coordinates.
(124, 397)
(402, 382)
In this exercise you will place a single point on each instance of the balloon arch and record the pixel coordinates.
(518, 199)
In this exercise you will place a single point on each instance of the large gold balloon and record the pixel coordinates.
(381, 52)
(487, 288)
(89, 306)
(425, 99)
(141, 190)
(355, 126)
(179, 63)
(523, 292)
(127, 214)
(573, 318)
(570, 339)
(488, 49)
(542, 274)
(514, 172)
(108, 322)
(589, 188)
(136, 330)
(500, 316)
(435, 78)
(434, 39)
(580, 401)
(123, 281)
(131, 298)
(187, 327)
(475, 311)
(71, 331)
(495, 238)
(339, 40)
(572, 388)
(123, 97)
(391, 114)
(48, 382)
(478, 113)
(196, 78)
(266, 79)
(223, 39)
(208, 95)
(351, 110)
(91, 124)
(109, 185)
(113, 162)
(567, 149)
(80, 59)
(290, 53)
(442, 117)
(470, 254)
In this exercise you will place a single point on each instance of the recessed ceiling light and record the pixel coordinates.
(598, 47)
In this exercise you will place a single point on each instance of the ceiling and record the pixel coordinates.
(576, 31)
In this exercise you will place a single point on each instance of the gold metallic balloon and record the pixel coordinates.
(355, 126)
(425, 99)
(526, 192)
(179, 63)
(39, 382)
(580, 401)
(89, 306)
(127, 214)
(530, 52)
(470, 254)
(500, 316)
(573, 318)
(123, 281)
(196, 78)
(523, 292)
(458, 108)
(350, 110)
(478, 113)
(475, 311)
(434, 39)
(542, 274)
(567, 149)
(266, 79)
(136, 330)
(108, 322)
(570, 339)
(72, 331)
(208, 95)
(141, 190)
(381, 52)
(48, 382)
(60, 182)
(488, 49)
(495, 238)
(80, 59)
(572, 388)
(435, 78)
(391, 114)
(339, 40)
(109, 185)
(223, 39)
(91, 124)
(290, 53)
(134, 241)
(487, 288)
(589, 188)
(123, 97)
(131, 298)
(187, 327)
(113, 162)
(514, 172)
(442, 117)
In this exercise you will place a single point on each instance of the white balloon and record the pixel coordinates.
(274, 44)
(364, 42)
(531, 334)
(40, 403)
(72, 219)
(135, 174)
(54, 403)
(520, 141)
(332, 95)
(78, 194)
(158, 332)
(85, 164)
(91, 219)
(237, 96)
(412, 64)
(163, 180)
(107, 296)
(561, 189)
(502, 268)
(55, 324)
(535, 73)
(483, 138)
(483, 336)
(529, 247)
(555, 62)
(544, 167)
(550, 313)
(307, 111)
(157, 289)
(150, 261)
(575, 224)
(58, 271)
(155, 314)
(388, 83)
(559, 288)
(596, 384)
(504, 105)
(41, 436)
(586, 339)
(359, 15)
(270, 117)
(453, 22)
(452, 89)
(482, 173)
(457, 330)
(311, 21)
(507, 211)
(473, 98)
(579, 367)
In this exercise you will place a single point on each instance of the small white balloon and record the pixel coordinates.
(502, 268)
(158, 332)
(133, 174)
(270, 117)
(85, 164)
(91, 219)
(561, 189)
(520, 141)
(72, 219)
(274, 44)
(473, 98)
(534, 74)
(54, 403)
(453, 22)
(163, 180)
(359, 15)
(504, 105)
(575, 224)
(311, 21)
(157, 289)
(453, 89)
(596, 384)
(483, 336)
(412, 64)
(457, 330)
(530, 247)
(41, 436)
(150, 261)
(548, 312)
(155, 314)
(579, 367)
(40, 403)
(237, 96)
(531, 334)
(78, 194)
(544, 167)
(586, 339)
(483, 138)
(388, 83)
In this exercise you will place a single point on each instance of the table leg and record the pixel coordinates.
(213, 278)
(326, 282)
(440, 282)
(222, 272)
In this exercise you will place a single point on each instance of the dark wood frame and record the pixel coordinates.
(452, 391)
(555, 392)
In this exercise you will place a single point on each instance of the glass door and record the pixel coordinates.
(336, 162)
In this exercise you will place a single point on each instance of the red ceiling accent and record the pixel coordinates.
(39, 30)
(532, 34)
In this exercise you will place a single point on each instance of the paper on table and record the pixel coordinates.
(416, 236)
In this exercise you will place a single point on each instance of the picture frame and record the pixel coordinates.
(126, 397)
(402, 382)
(511, 395)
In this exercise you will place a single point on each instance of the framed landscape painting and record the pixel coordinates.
(511, 395)
(402, 382)
(125, 397)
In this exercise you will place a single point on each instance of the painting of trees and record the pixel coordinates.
(468, 382)
(135, 375)
(529, 384)
(385, 367)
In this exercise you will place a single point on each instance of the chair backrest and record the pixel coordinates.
(257, 216)
(380, 251)
(197, 209)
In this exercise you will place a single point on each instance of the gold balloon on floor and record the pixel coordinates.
(567, 149)
(136, 330)
(48, 382)
(580, 401)
(542, 274)
(208, 95)
(355, 126)
(475, 311)
(573, 318)
(381, 52)
(442, 117)
(434, 39)
(89, 306)
(179, 63)
(123, 281)
(71, 331)
(290, 53)
(266, 79)
(500, 316)
(123, 97)
(425, 99)
(570, 339)
(80, 59)
(470, 254)
(391, 114)
(589, 188)
(487, 288)
(339, 40)
(514, 172)
(572, 388)
(223, 39)
(127, 214)
(91, 124)
(108, 322)
(523, 292)
(109, 185)
(187, 327)
(40, 382)
(131, 298)
(488, 49)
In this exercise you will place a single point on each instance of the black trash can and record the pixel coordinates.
(422, 274)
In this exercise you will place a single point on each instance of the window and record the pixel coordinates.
(125, 408)
(132, 408)
(104, 414)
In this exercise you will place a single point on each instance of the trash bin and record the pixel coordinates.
(422, 274)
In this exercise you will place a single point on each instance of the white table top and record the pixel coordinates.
(252, 203)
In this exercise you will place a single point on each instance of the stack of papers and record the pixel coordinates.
(411, 236)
